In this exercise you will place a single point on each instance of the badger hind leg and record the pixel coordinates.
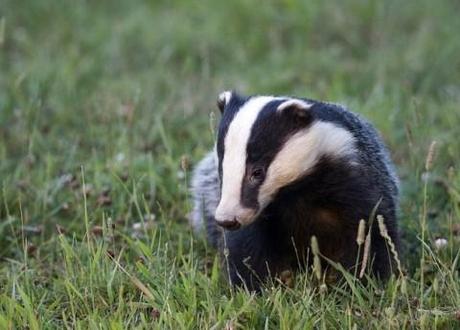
(205, 189)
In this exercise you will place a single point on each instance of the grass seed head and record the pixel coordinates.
(384, 232)
(430, 156)
(314, 245)
(361, 232)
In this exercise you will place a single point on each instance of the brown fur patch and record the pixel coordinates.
(327, 220)
(328, 228)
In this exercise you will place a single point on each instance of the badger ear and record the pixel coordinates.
(223, 99)
(296, 107)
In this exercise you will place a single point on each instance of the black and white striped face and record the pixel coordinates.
(265, 143)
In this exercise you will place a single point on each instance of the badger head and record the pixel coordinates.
(265, 143)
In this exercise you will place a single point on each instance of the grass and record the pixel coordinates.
(105, 107)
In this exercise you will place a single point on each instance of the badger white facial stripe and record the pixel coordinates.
(234, 159)
(320, 139)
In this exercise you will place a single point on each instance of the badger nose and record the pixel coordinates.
(229, 224)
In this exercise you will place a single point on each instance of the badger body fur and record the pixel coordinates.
(285, 169)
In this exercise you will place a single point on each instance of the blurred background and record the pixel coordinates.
(121, 95)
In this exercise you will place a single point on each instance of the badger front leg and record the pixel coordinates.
(250, 257)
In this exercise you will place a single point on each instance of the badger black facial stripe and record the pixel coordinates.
(269, 133)
(233, 150)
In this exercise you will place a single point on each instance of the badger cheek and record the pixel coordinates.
(267, 191)
(279, 175)
(246, 216)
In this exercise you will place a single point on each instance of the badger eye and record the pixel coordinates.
(257, 174)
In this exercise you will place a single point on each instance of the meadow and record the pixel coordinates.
(105, 107)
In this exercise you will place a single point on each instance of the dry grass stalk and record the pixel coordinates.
(367, 248)
(384, 232)
(367, 242)
(316, 259)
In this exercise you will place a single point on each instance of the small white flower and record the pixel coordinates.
(440, 243)
(426, 177)
(149, 217)
(120, 157)
(139, 227)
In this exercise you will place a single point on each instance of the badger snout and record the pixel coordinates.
(229, 224)
(227, 220)
(234, 217)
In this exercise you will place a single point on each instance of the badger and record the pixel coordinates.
(284, 169)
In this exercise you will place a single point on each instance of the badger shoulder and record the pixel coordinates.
(370, 149)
